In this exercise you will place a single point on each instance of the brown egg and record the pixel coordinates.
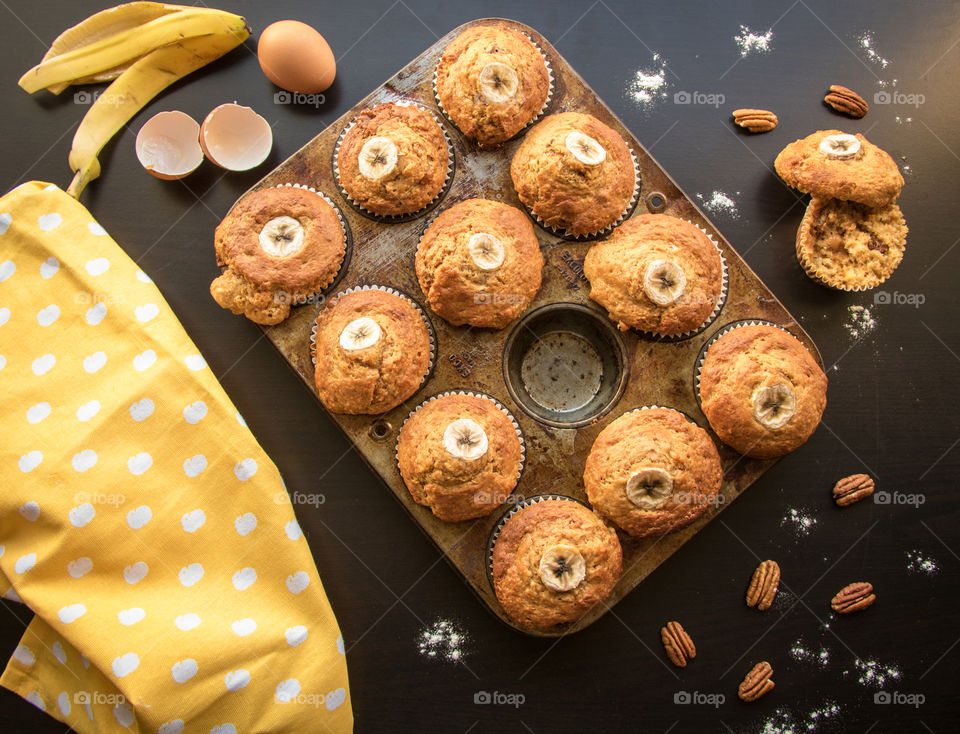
(295, 57)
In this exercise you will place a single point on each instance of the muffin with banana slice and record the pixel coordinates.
(278, 247)
(460, 455)
(479, 263)
(554, 560)
(492, 81)
(373, 350)
(850, 246)
(658, 274)
(836, 165)
(652, 471)
(574, 173)
(761, 390)
(393, 159)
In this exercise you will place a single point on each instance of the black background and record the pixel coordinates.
(891, 394)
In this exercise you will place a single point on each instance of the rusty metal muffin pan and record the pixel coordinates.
(627, 370)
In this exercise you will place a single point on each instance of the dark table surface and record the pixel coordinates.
(891, 381)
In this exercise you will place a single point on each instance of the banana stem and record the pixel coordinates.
(84, 175)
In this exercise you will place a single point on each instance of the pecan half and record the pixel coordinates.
(852, 489)
(763, 585)
(853, 597)
(677, 643)
(756, 121)
(846, 101)
(757, 683)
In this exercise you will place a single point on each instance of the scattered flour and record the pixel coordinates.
(719, 202)
(443, 640)
(919, 563)
(860, 322)
(801, 521)
(868, 45)
(903, 121)
(749, 42)
(783, 721)
(803, 653)
(649, 86)
(873, 673)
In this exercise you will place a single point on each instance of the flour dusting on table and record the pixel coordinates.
(720, 202)
(869, 47)
(873, 673)
(442, 640)
(920, 563)
(800, 520)
(860, 321)
(804, 653)
(649, 86)
(749, 42)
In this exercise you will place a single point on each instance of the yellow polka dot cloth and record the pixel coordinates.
(140, 520)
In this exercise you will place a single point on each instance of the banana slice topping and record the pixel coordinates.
(486, 251)
(562, 568)
(465, 439)
(774, 405)
(282, 237)
(378, 157)
(649, 487)
(585, 149)
(498, 82)
(664, 282)
(360, 334)
(840, 147)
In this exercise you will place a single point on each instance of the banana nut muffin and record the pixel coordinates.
(762, 391)
(835, 165)
(279, 246)
(850, 246)
(460, 456)
(652, 471)
(574, 173)
(656, 273)
(553, 561)
(393, 159)
(372, 352)
(479, 263)
(492, 81)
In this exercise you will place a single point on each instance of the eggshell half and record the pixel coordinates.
(167, 145)
(235, 137)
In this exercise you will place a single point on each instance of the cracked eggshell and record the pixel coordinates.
(235, 137)
(296, 58)
(167, 145)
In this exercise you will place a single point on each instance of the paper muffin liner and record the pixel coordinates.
(628, 210)
(654, 406)
(701, 357)
(803, 240)
(396, 218)
(476, 394)
(394, 292)
(721, 299)
(505, 517)
(533, 120)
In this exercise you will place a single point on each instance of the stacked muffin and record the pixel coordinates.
(852, 236)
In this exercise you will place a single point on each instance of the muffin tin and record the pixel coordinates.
(559, 418)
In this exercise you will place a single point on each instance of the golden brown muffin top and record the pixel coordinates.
(411, 166)
(376, 378)
(760, 372)
(656, 256)
(869, 177)
(491, 81)
(524, 541)
(441, 462)
(457, 263)
(562, 189)
(652, 472)
(851, 246)
(279, 245)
